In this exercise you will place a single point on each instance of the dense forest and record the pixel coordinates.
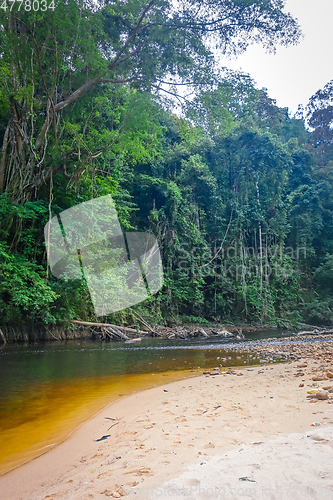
(125, 98)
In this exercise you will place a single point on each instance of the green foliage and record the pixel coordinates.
(319, 312)
(323, 276)
(236, 192)
(24, 294)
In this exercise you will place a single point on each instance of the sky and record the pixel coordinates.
(295, 73)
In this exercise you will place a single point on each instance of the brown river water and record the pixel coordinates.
(48, 389)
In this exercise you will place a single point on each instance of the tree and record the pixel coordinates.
(52, 60)
(320, 119)
(219, 110)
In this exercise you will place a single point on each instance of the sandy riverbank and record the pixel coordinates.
(223, 436)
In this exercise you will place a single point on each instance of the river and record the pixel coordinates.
(48, 389)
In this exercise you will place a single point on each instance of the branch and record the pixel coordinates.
(143, 321)
(201, 26)
(83, 89)
(172, 93)
(78, 93)
(116, 62)
(124, 328)
(125, 80)
(178, 84)
(131, 54)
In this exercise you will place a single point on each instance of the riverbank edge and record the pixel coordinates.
(79, 476)
(175, 376)
(273, 352)
(42, 333)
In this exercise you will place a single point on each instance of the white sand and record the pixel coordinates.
(295, 466)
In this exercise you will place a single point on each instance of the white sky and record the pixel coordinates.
(294, 74)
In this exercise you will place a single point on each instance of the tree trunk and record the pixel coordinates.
(260, 249)
(3, 159)
(124, 328)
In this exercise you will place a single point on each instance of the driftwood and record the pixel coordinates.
(315, 332)
(105, 332)
(3, 337)
(114, 332)
(144, 322)
(305, 332)
(104, 325)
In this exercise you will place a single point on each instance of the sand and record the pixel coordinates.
(249, 434)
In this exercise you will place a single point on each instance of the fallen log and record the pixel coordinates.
(104, 325)
(116, 333)
(307, 332)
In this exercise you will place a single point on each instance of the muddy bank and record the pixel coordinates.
(43, 334)
(105, 331)
(93, 331)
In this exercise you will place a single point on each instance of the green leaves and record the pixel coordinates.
(24, 294)
(227, 189)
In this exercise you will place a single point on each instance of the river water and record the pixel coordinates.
(48, 389)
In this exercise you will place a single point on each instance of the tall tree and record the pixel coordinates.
(53, 58)
(320, 119)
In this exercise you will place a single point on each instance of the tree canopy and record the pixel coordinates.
(52, 63)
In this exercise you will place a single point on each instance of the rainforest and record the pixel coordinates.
(126, 99)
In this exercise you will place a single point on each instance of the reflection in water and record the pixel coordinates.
(46, 390)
